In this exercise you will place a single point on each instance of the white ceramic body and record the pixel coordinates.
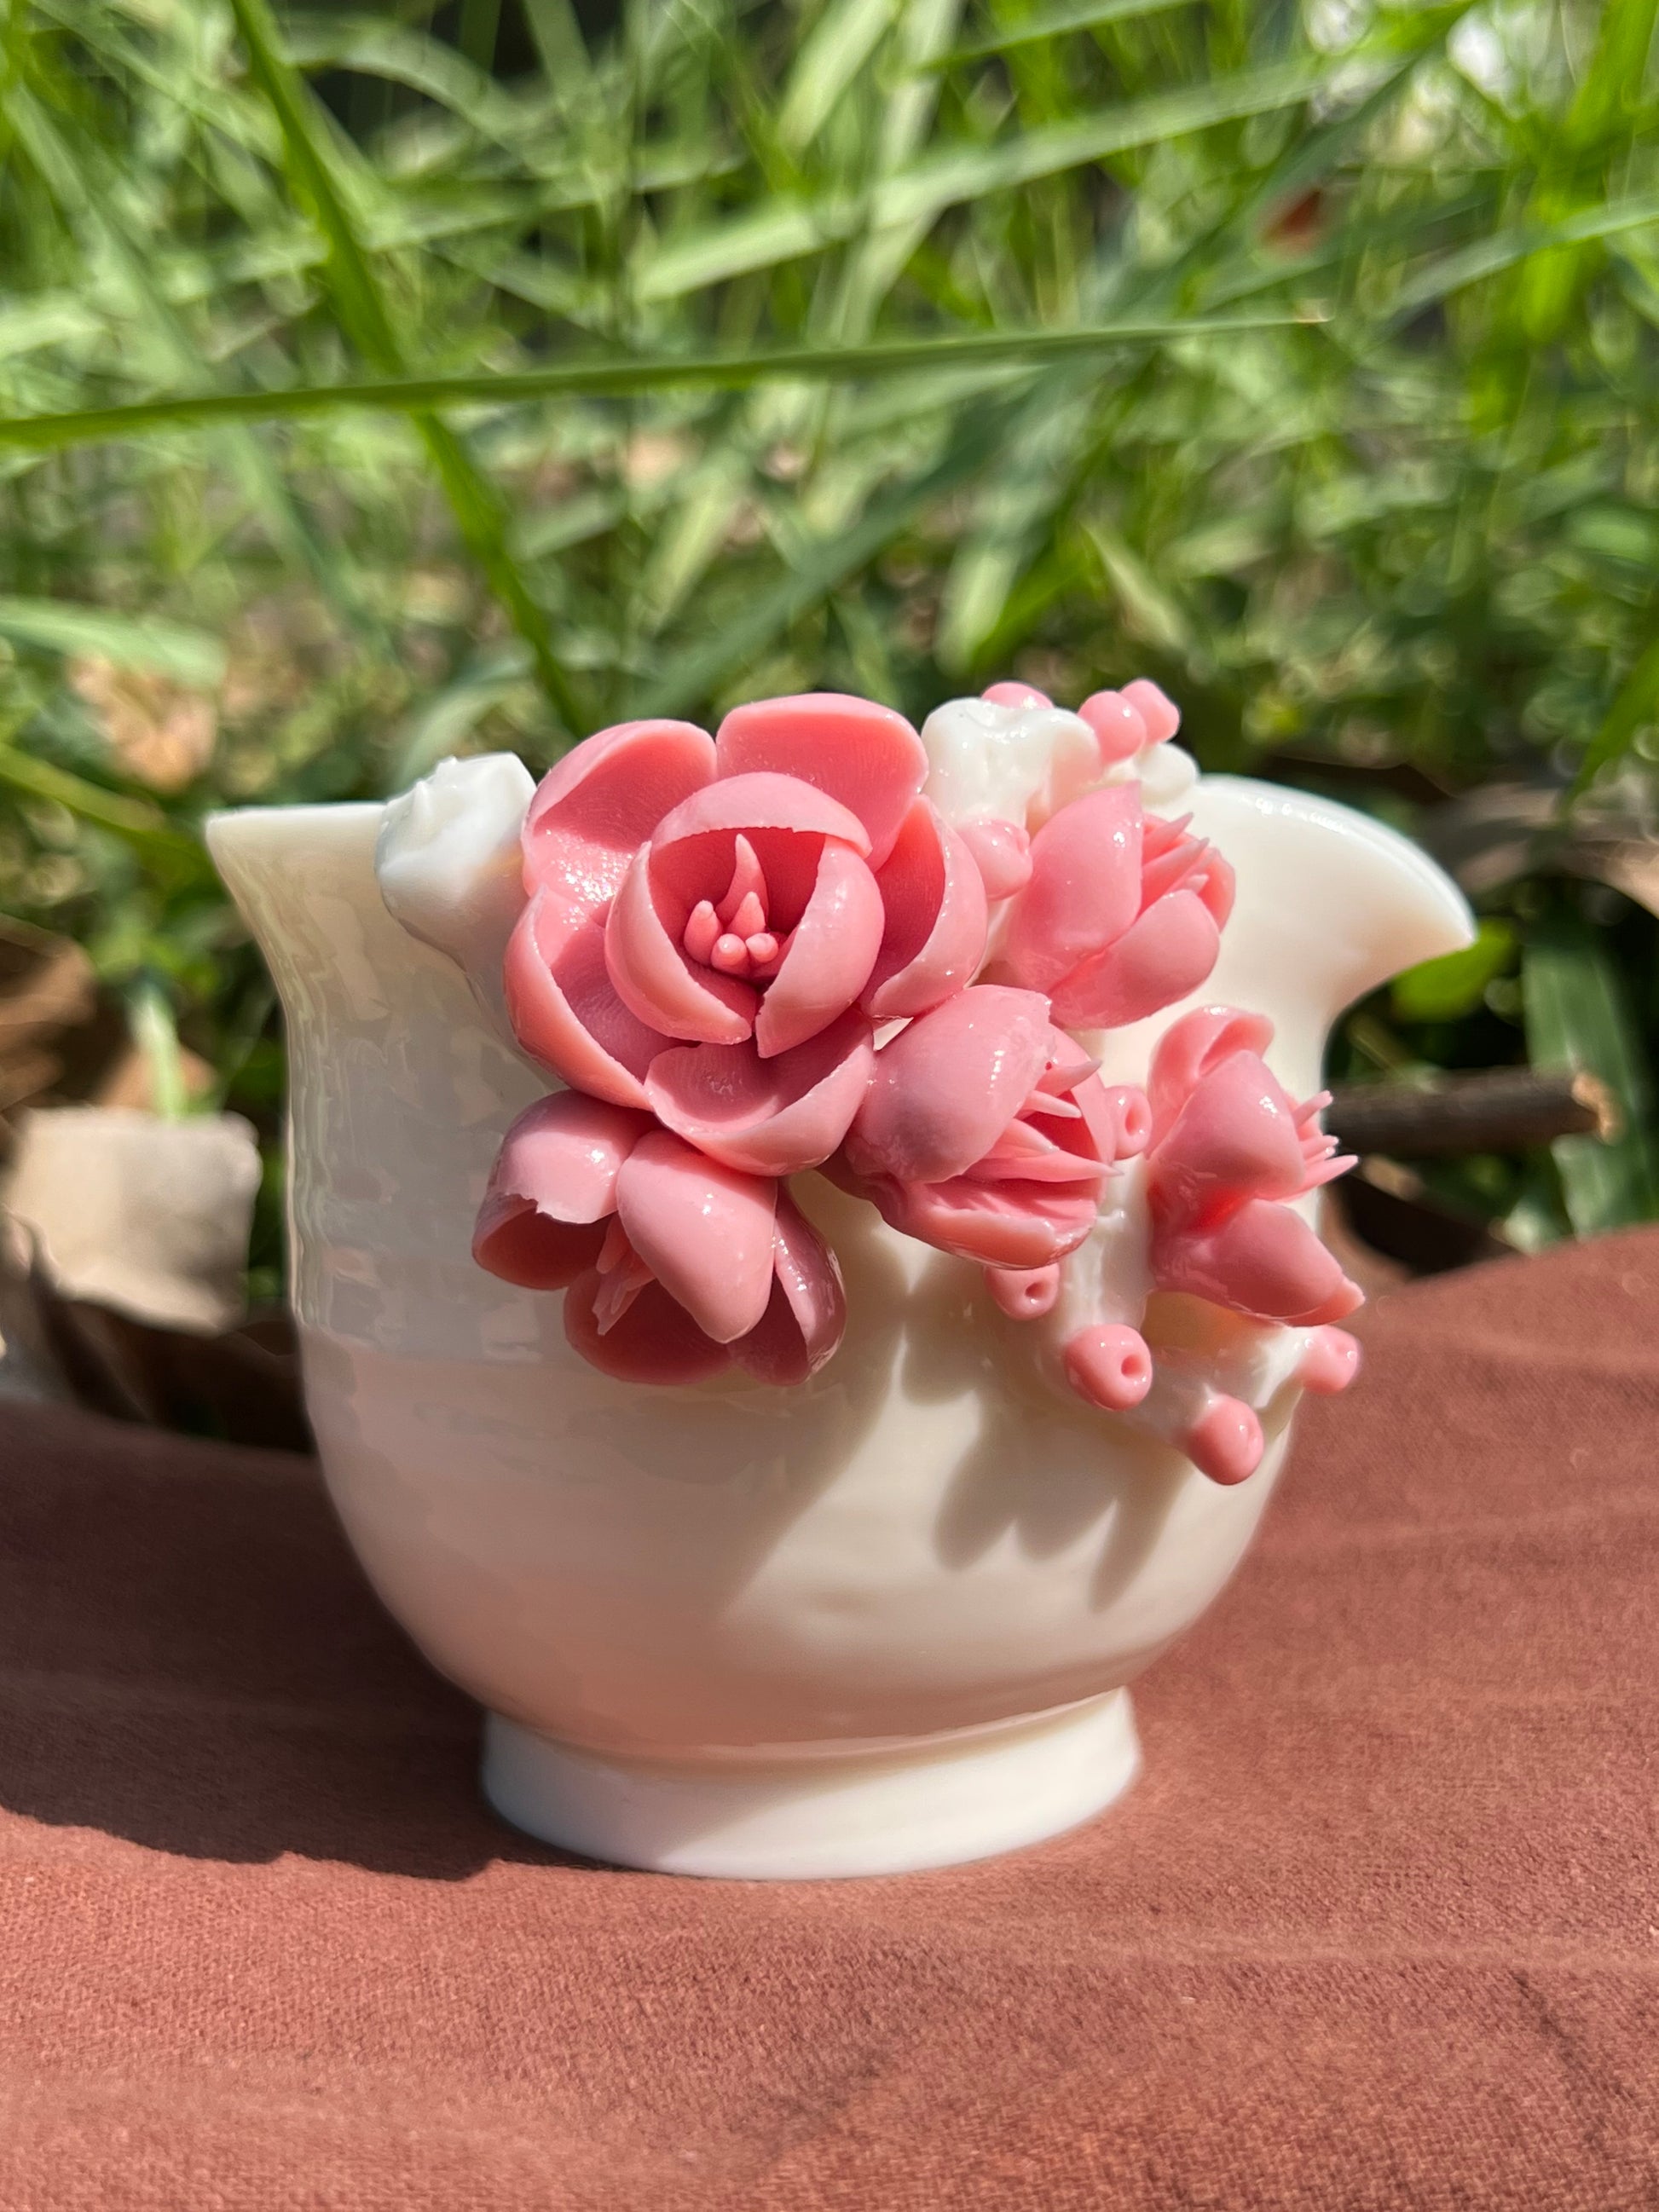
(871, 1622)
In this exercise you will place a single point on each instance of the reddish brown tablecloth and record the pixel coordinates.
(1379, 1928)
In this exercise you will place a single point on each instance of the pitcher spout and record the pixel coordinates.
(299, 875)
(400, 1085)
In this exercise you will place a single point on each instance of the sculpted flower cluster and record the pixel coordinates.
(804, 942)
(1227, 1148)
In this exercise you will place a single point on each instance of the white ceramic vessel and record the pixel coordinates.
(880, 1621)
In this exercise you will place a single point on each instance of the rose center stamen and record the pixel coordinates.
(702, 932)
(732, 938)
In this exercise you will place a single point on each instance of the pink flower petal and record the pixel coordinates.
(867, 756)
(624, 1276)
(946, 1088)
(763, 799)
(655, 981)
(1170, 857)
(1237, 1137)
(773, 1116)
(1085, 890)
(1024, 1153)
(806, 1315)
(831, 951)
(592, 812)
(1160, 714)
(564, 1154)
(933, 938)
(1001, 851)
(1263, 1261)
(1068, 1065)
(522, 1245)
(704, 1230)
(564, 1008)
(1217, 885)
(1006, 1224)
(654, 1341)
(1162, 956)
(1187, 863)
(1173, 859)
(1189, 1049)
(1120, 732)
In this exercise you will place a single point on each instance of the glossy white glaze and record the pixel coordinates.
(966, 1800)
(921, 1548)
(450, 865)
(1023, 764)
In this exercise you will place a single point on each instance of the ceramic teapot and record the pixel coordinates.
(878, 1612)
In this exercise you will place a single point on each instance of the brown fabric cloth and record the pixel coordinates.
(1380, 1926)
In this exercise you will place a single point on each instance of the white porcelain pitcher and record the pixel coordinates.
(880, 1621)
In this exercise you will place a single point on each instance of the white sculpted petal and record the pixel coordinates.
(448, 863)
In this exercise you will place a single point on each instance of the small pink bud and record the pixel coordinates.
(1024, 1293)
(1156, 709)
(1120, 731)
(1330, 1362)
(1110, 1366)
(1225, 1441)
(1132, 1119)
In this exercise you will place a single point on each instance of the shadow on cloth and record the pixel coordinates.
(191, 1658)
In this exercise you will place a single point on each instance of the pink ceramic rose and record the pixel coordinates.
(716, 924)
(1229, 1147)
(674, 1267)
(987, 1133)
(1109, 911)
(1123, 913)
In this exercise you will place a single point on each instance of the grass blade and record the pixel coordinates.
(370, 47)
(367, 320)
(1576, 1019)
(820, 568)
(418, 395)
(164, 649)
(135, 819)
(1055, 24)
(1629, 715)
(836, 49)
(783, 231)
(1487, 256)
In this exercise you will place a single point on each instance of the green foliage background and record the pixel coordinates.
(1390, 530)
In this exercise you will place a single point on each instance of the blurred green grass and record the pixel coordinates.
(1392, 535)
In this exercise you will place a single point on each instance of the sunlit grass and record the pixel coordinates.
(1394, 531)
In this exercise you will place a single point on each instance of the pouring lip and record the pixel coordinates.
(245, 844)
(1452, 911)
(334, 809)
(242, 829)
